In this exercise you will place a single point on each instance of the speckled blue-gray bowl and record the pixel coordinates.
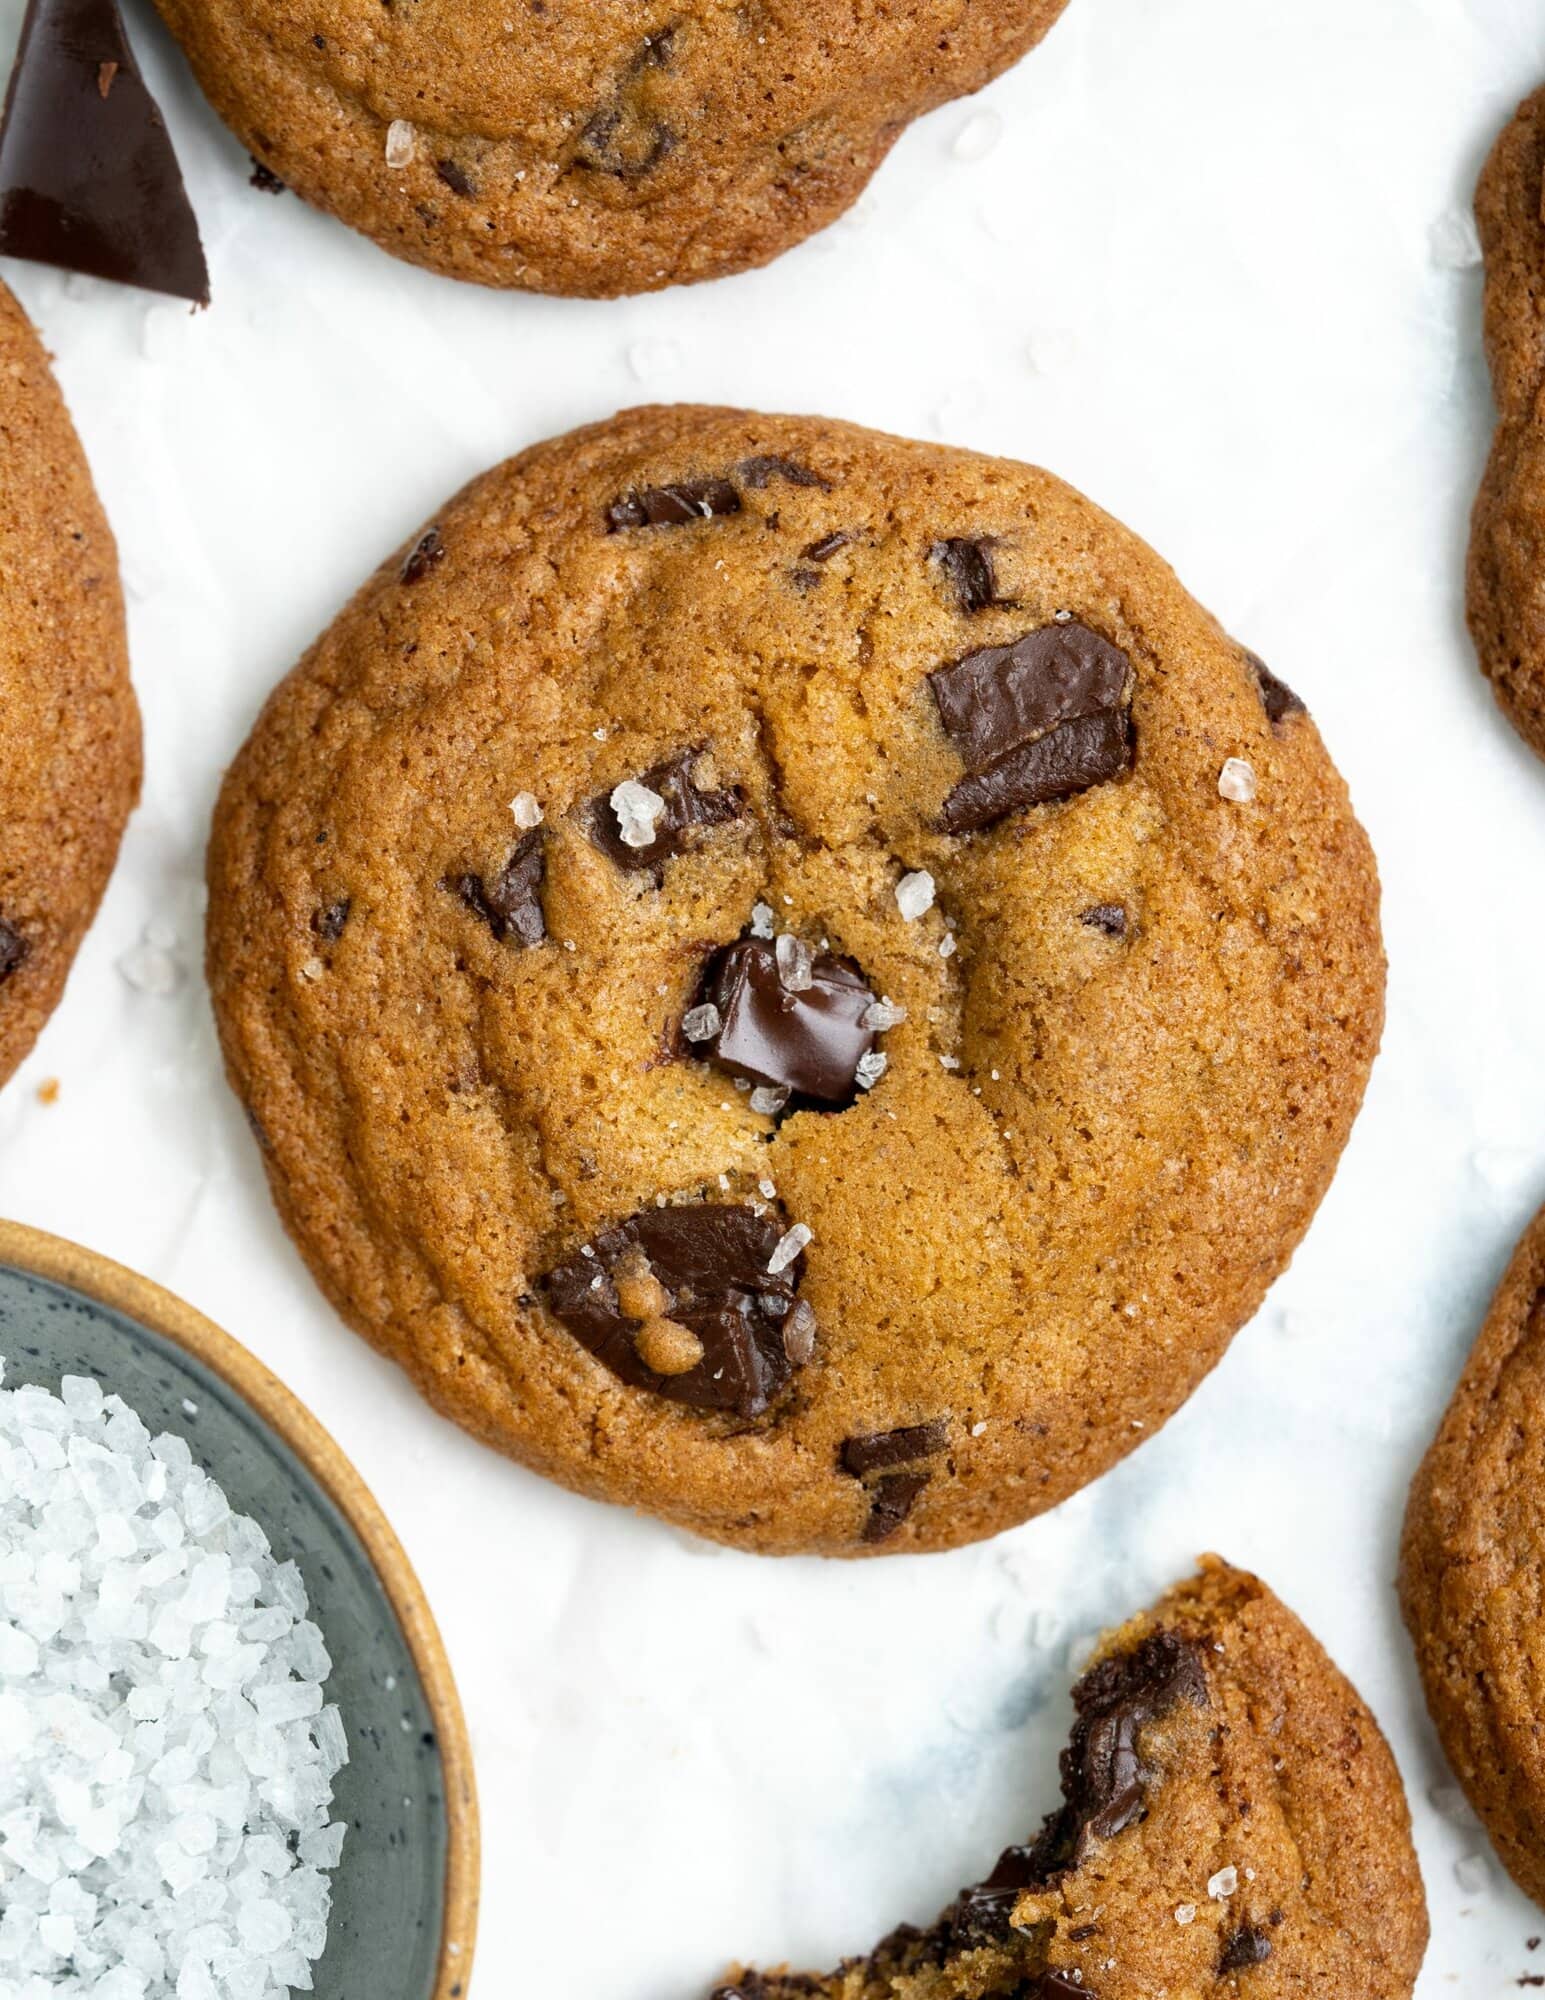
(404, 1912)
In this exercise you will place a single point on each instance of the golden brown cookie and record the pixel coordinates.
(1232, 1823)
(794, 979)
(1472, 1570)
(1506, 584)
(593, 149)
(69, 728)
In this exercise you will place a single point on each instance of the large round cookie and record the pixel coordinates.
(592, 148)
(845, 749)
(1472, 1570)
(69, 728)
(1506, 589)
(1232, 1823)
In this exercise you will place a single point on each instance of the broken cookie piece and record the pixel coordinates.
(1231, 1824)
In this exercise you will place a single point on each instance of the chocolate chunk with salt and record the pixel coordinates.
(710, 1263)
(511, 904)
(881, 1449)
(88, 178)
(1034, 721)
(672, 506)
(1277, 698)
(14, 950)
(761, 471)
(687, 808)
(894, 1498)
(1248, 1946)
(967, 565)
(809, 1041)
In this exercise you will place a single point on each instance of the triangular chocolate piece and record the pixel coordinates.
(88, 178)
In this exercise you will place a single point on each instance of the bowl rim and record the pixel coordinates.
(58, 1261)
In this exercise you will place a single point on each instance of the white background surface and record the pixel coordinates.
(1185, 256)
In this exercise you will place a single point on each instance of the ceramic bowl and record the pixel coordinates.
(404, 1909)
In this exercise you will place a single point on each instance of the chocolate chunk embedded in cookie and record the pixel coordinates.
(69, 728)
(1232, 1823)
(596, 149)
(1471, 1565)
(592, 876)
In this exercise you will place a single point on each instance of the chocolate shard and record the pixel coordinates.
(329, 921)
(881, 1449)
(765, 468)
(809, 1042)
(1109, 918)
(1090, 750)
(88, 178)
(672, 506)
(427, 553)
(708, 1263)
(1248, 1946)
(510, 905)
(14, 950)
(894, 1498)
(828, 545)
(967, 565)
(456, 178)
(687, 808)
(1277, 698)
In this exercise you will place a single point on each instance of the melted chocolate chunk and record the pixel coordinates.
(1277, 698)
(967, 566)
(762, 471)
(510, 905)
(809, 1042)
(426, 554)
(686, 808)
(1073, 757)
(328, 923)
(1248, 1946)
(14, 950)
(672, 506)
(88, 178)
(827, 546)
(880, 1449)
(710, 1262)
(1110, 918)
(894, 1498)
(455, 178)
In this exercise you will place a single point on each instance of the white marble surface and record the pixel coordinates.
(1198, 257)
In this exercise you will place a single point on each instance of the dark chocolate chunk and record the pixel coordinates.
(1277, 698)
(1110, 918)
(1088, 751)
(686, 808)
(880, 1449)
(1248, 1946)
(14, 950)
(510, 905)
(710, 1262)
(264, 179)
(672, 506)
(328, 922)
(764, 469)
(894, 1498)
(827, 546)
(426, 553)
(455, 178)
(88, 178)
(967, 566)
(809, 1042)
(627, 137)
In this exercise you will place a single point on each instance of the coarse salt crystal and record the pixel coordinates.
(1223, 1885)
(880, 1015)
(1185, 1913)
(639, 812)
(401, 143)
(871, 1067)
(914, 894)
(768, 1099)
(796, 967)
(788, 1247)
(701, 1024)
(762, 920)
(527, 810)
(1236, 781)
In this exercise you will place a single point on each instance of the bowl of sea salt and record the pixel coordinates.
(232, 1760)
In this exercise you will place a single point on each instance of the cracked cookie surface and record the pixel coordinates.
(1472, 1570)
(606, 867)
(69, 727)
(1506, 578)
(1232, 1824)
(596, 149)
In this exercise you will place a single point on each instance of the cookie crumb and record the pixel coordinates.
(914, 894)
(48, 1090)
(1236, 781)
(667, 1347)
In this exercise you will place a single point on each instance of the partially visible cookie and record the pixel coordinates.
(610, 147)
(1472, 1570)
(1506, 589)
(69, 727)
(1232, 1823)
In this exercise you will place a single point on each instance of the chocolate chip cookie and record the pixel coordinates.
(1472, 1564)
(69, 728)
(1232, 1822)
(793, 978)
(1506, 599)
(597, 149)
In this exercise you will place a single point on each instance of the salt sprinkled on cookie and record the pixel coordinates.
(870, 1069)
(1223, 1885)
(527, 810)
(639, 812)
(788, 1247)
(701, 1024)
(768, 1099)
(1236, 781)
(762, 920)
(796, 966)
(914, 894)
(401, 143)
(882, 1014)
